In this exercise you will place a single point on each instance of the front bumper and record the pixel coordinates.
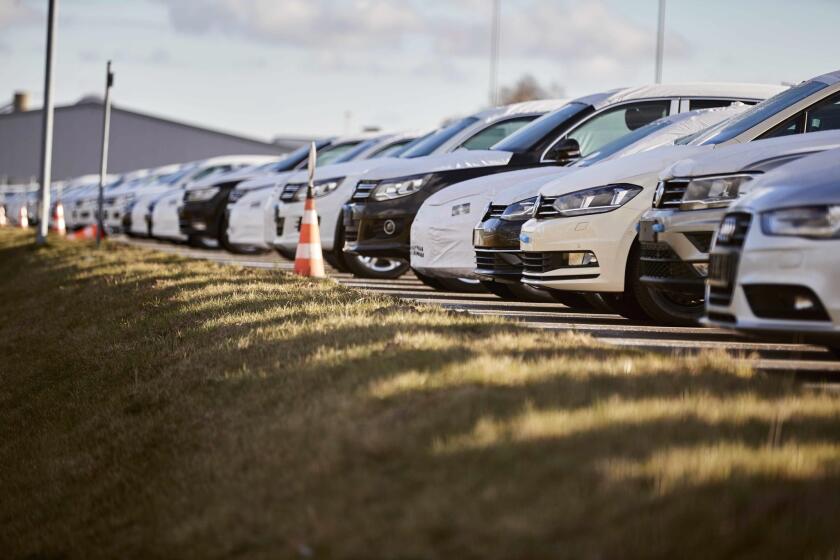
(784, 288)
(675, 248)
(204, 218)
(381, 229)
(497, 254)
(608, 237)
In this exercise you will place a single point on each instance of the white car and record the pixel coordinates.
(163, 216)
(116, 203)
(774, 267)
(583, 237)
(140, 215)
(442, 234)
(379, 216)
(245, 226)
(336, 185)
(84, 212)
(675, 236)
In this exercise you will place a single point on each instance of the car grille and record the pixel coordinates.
(495, 211)
(289, 191)
(546, 207)
(733, 230)
(672, 193)
(499, 262)
(659, 262)
(537, 262)
(363, 191)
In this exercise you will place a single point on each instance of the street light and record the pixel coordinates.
(660, 42)
(47, 135)
(103, 169)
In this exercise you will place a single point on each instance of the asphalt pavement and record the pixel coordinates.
(800, 362)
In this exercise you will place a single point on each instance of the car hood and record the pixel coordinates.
(809, 181)
(242, 174)
(490, 187)
(461, 159)
(758, 155)
(620, 170)
(358, 167)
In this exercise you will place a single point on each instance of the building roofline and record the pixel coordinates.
(86, 102)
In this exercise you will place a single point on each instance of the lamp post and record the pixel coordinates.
(660, 42)
(47, 135)
(103, 169)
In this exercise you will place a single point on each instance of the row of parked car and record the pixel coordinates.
(677, 204)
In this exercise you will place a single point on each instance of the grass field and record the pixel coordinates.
(152, 406)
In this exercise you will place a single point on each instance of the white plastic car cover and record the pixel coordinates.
(245, 222)
(733, 158)
(441, 235)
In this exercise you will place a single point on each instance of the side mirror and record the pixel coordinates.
(564, 152)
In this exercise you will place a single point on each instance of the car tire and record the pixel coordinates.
(430, 281)
(659, 305)
(336, 260)
(374, 267)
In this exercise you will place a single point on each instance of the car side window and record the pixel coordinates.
(495, 133)
(821, 116)
(824, 116)
(616, 122)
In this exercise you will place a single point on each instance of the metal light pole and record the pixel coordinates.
(660, 42)
(106, 131)
(494, 53)
(47, 135)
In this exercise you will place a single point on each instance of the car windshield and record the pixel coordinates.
(528, 136)
(358, 150)
(173, 178)
(291, 160)
(758, 114)
(619, 144)
(334, 153)
(436, 140)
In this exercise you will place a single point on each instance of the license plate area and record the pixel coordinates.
(646, 232)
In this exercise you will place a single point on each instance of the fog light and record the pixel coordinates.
(701, 268)
(389, 227)
(586, 258)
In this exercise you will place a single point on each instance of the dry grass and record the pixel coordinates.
(157, 407)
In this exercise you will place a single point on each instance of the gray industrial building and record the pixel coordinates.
(138, 141)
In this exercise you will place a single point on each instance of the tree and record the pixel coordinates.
(527, 89)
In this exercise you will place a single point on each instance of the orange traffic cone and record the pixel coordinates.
(87, 232)
(23, 217)
(58, 219)
(309, 260)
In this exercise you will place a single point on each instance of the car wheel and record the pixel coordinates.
(430, 281)
(375, 267)
(462, 285)
(663, 306)
(336, 260)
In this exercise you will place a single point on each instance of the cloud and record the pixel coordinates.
(16, 12)
(581, 37)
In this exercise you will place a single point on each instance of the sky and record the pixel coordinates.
(264, 68)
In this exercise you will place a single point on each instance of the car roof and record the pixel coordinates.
(691, 89)
(828, 79)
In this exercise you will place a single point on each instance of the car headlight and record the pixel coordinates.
(319, 188)
(520, 211)
(819, 222)
(595, 201)
(202, 194)
(714, 192)
(398, 188)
